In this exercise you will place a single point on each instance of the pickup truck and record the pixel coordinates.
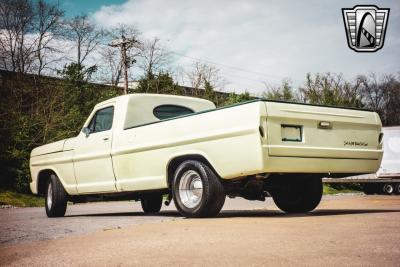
(147, 146)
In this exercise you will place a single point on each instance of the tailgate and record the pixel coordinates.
(296, 130)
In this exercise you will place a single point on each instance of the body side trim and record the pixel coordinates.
(190, 140)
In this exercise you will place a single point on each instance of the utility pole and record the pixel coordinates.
(124, 44)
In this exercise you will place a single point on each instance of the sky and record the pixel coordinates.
(253, 42)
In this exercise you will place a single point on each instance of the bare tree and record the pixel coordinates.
(382, 94)
(85, 35)
(46, 26)
(111, 65)
(27, 29)
(202, 75)
(392, 111)
(373, 91)
(154, 57)
(16, 18)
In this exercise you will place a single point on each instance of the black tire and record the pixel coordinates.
(297, 194)
(212, 197)
(397, 189)
(152, 202)
(369, 189)
(56, 198)
(388, 189)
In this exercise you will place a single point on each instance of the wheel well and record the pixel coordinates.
(43, 177)
(175, 162)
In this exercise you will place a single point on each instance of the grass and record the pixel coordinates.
(8, 197)
(328, 190)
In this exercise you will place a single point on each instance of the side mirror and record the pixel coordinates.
(86, 131)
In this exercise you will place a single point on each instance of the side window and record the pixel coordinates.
(102, 120)
(169, 111)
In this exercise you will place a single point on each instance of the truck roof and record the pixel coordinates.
(139, 109)
(141, 95)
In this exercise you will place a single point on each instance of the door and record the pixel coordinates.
(92, 159)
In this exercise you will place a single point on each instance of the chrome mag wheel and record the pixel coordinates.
(191, 189)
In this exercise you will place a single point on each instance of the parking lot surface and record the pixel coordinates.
(352, 230)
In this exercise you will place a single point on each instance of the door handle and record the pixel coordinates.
(105, 138)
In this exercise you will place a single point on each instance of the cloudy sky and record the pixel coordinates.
(253, 42)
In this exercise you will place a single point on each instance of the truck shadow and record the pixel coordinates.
(129, 214)
(245, 213)
(323, 212)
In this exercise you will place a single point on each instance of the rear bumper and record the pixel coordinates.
(323, 152)
(320, 165)
(286, 159)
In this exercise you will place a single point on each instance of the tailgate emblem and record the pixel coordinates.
(355, 143)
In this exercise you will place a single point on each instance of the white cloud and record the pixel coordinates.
(277, 38)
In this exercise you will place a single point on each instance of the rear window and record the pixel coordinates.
(170, 111)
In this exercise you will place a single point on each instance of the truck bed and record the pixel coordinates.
(249, 102)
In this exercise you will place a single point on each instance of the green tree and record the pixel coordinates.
(38, 110)
(331, 89)
(283, 92)
(234, 98)
(208, 91)
(162, 83)
(80, 96)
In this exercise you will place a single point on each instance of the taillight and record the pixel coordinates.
(261, 129)
(380, 138)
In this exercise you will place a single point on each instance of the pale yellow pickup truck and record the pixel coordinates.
(146, 146)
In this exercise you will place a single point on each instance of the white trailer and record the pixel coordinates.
(387, 179)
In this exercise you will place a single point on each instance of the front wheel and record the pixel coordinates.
(197, 191)
(297, 194)
(56, 198)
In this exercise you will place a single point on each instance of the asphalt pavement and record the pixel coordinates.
(19, 225)
(354, 230)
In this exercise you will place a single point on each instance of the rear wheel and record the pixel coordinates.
(388, 189)
(296, 194)
(152, 202)
(197, 191)
(56, 198)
